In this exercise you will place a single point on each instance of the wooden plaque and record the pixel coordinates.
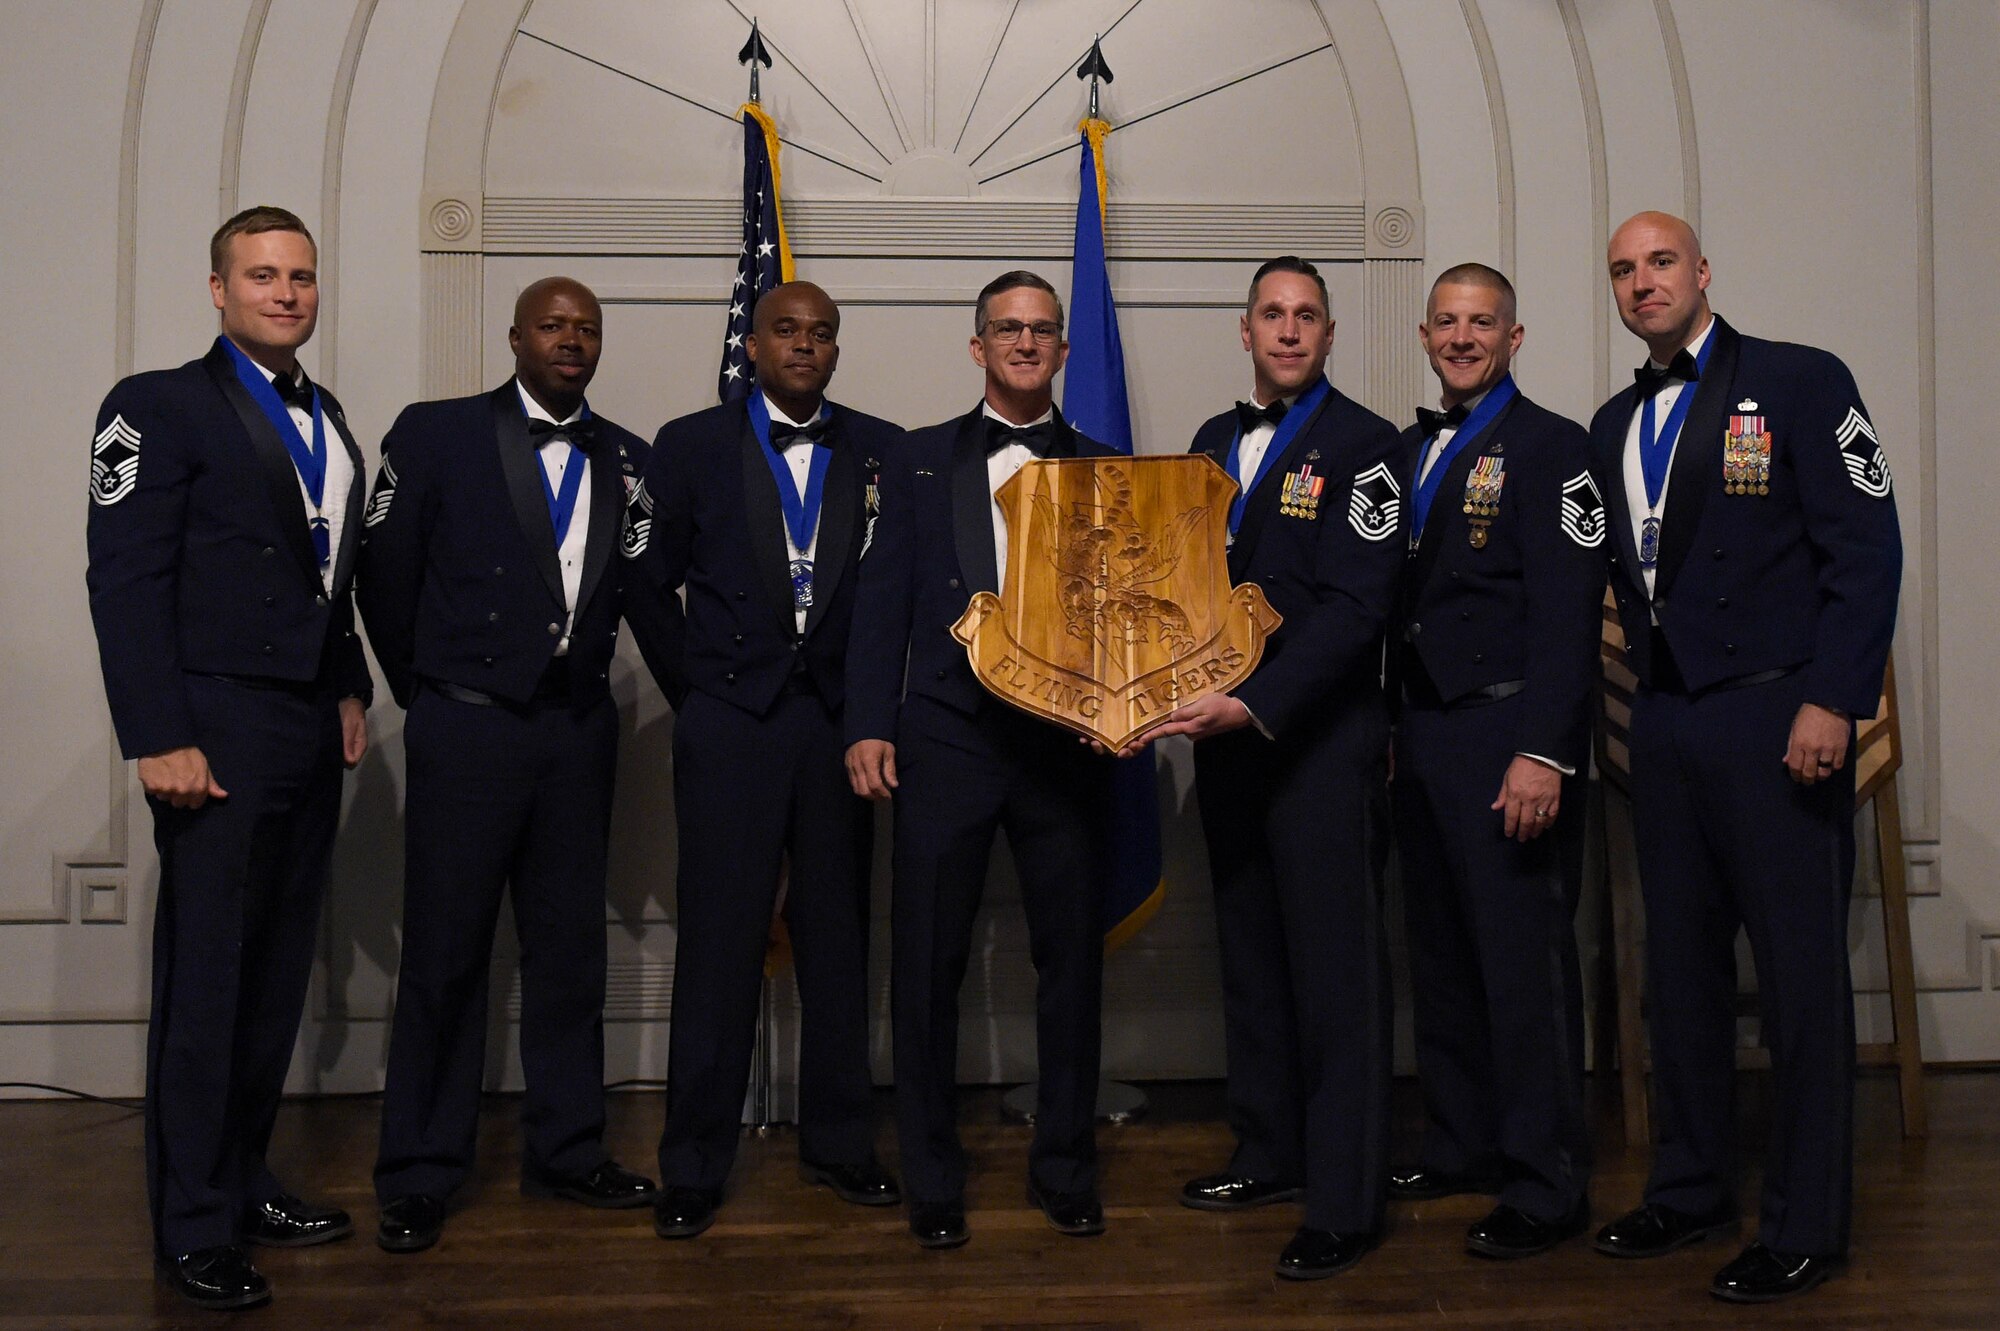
(1116, 606)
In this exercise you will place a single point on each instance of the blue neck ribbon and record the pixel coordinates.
(1656, 451)
(310, 460)
(1490, 407)
(801, 512)
(562, 503)
(1281, 438)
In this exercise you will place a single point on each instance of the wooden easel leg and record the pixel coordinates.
(1902, 969)
(1621, 867)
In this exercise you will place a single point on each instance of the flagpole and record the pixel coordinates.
(1117, 1102)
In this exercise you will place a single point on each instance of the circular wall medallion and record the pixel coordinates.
(1394, 227)
(451, 220)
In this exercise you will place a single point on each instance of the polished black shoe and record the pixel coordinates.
(1315, 1254)
(1078, 1214)
(217, 1278)
(939, 1226)
(865, 1184)
(1234, 1192)
(609, 1187)
(1508, 1231)
(287, 1222)
(1421, 1185)
(682, 1213)
(410, 1224)
(1759, 1275)
(1655, 1230)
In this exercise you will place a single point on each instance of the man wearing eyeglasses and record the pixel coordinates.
(960, 765)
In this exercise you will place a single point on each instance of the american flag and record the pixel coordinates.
(764, 259)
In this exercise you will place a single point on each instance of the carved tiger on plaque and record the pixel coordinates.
(1116, 606)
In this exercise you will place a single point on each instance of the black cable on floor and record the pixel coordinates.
(65, 1090)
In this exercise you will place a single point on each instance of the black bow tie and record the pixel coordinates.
(1431, 422)
(999, 434)
(294, 390)
(812, 432)
(579, 433)
(1249, 415)
(1650, 380)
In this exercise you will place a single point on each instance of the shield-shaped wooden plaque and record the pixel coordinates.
(1117, 606)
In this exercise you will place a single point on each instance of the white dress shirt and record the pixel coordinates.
(1001, 464)
(1250, 448)
(1635, 469)
(339, 480)
(557, 456)
(799, 458)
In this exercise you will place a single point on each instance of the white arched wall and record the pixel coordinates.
(1829, 191)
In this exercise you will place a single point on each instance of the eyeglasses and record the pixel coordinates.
(1010, 330)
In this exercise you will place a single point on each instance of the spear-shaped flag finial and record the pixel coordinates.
(753, 53)
(1094, 68)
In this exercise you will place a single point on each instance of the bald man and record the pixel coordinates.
(1755, 557)
(757, 511)
(494, 590)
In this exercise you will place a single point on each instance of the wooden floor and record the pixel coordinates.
(73, 1241)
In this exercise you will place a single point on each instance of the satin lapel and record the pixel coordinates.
(525, 483)
(840, 503)
(281, 476)
(1450, 498)
(1697, 457)
(1263, 500)
(972, 508)
(607, 516)
(357, 489)
(764, 518)
(1611, 466)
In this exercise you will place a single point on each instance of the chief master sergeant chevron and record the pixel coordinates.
(225, 512)
(1755, 557)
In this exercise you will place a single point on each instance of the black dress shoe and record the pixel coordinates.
(1234, 1192)
(216, 1278)
(1508, 1231)
(865, 1184)
(1315, 1254)
(410, 1224)
(939, 1226)
(1759, 1275)
(682, 1213)
(287, 1222)
(1420, 1184)
(1655, 1230)
(609, 1187)
(1078, 1214)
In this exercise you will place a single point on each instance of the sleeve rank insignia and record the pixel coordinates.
(114, 462)
(1867, 465)
(1375, 503)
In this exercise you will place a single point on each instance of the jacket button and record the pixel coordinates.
(1729, 649)
(1479, 658)
(270, 550)
(1718, 552)
(795, 646)
(555, 630)
(601, 675)
(952, 583)
(1722, 603)
(1413, 630)
(498, 571)
(1454, 575)
(736, 637)
(1464, 615)
(739, 596)
(940, 674)
(493, 616)
(320, 599)
(1659, 603)
(268, 649)
(489, 660)
(270, 600)
(729, 678)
